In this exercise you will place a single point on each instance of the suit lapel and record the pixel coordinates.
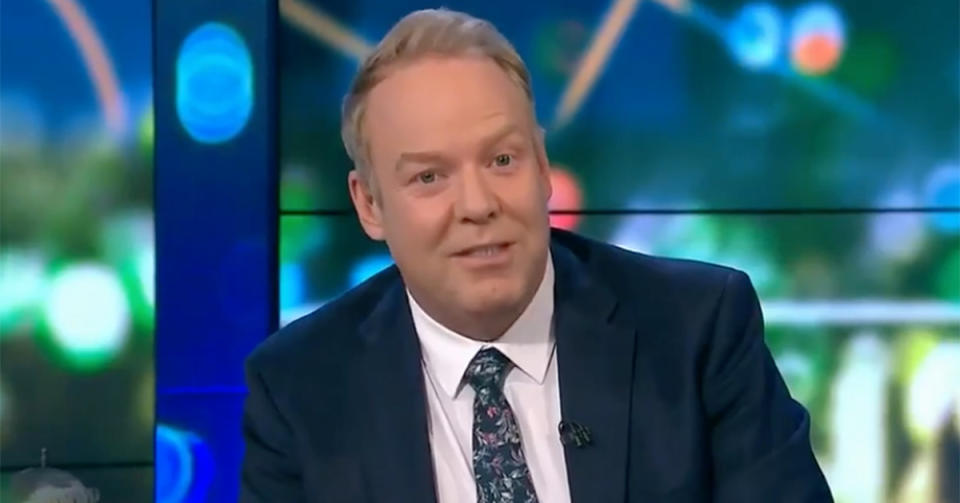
(595, 366)
(397, 449)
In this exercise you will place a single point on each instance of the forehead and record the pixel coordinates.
(438, 103)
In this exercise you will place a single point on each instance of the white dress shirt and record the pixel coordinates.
(531, 388)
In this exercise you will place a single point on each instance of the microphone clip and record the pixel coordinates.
(574, 434)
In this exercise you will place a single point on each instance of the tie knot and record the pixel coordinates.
(487, 370)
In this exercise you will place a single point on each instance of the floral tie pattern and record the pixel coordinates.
(499, 466)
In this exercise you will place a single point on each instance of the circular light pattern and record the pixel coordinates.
(174, 465)
(184, 466)
(367, 267)
(943, 190)
(755, 35)
(214, 87)
(87, 313)
(567, 196)
(817, 39)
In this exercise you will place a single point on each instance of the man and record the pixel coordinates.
(500, 361)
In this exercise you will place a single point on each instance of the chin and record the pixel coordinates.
(489, 300)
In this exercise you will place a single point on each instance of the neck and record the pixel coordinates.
(484, 326)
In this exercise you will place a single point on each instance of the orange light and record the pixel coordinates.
(816, 54)
(96, 59)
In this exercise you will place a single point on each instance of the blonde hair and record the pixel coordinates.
(422, 33)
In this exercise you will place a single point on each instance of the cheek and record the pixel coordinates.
(527, 194)
(417, 222)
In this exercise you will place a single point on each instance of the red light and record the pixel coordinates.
(567, 196)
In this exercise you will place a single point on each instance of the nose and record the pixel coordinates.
(477, 202)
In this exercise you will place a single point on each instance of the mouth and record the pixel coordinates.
(484, 251)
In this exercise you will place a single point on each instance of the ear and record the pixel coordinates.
(542, 161)
(367, 205)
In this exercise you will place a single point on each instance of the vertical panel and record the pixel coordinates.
(215, 201)
(216, 232)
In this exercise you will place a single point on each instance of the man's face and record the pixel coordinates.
(462, 182)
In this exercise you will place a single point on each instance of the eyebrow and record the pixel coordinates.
(430, 156)
(419, 158)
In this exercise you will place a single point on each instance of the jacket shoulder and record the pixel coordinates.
(628, 272)
(330, 331)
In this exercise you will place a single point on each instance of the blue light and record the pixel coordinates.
(174, 465)
(943, 191)
(755, 36)
(292, 285)
(184, 466)
(214, 83)
(367, 267)
(818, 18)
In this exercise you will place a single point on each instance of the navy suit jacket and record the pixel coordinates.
(662, 360)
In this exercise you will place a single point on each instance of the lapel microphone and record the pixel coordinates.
(574, 434)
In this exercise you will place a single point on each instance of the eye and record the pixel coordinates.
(503, 160)
(427, 177)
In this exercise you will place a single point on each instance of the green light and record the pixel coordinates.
(948, 277)
(86, 316)
(145, 130)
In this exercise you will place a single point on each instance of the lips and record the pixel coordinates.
(484, 250)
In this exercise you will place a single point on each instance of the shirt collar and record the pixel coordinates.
(528, 343)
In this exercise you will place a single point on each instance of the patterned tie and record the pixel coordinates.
(499, 467)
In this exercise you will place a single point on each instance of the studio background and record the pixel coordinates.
(814, 145)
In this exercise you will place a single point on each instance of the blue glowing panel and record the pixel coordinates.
(214, 83)
(214, 202)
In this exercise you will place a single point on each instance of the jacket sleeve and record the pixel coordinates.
(271, 471)
(760, 436)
